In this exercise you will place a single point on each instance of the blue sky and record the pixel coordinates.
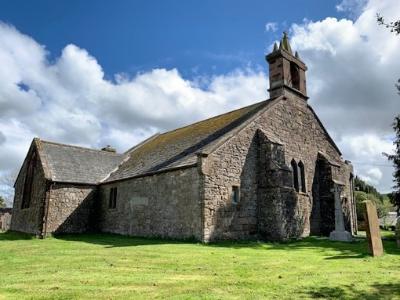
(93, 73)
(209, 36)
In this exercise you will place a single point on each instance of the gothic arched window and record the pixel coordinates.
(302, 179)
(293, 164)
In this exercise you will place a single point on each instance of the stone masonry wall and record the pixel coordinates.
(70, 208)
(165, 205)
(234, 164)
(278, 203)
(29, 220)
(288, 122)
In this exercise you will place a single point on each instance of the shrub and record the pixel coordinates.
(360, 207)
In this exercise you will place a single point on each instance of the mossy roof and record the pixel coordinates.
(178, 148)
(73, 164)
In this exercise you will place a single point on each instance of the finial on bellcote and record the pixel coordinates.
(275, 47)
(284, 43)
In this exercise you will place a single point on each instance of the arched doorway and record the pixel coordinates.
(322, 218)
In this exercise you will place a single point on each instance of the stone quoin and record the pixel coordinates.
(266, 171)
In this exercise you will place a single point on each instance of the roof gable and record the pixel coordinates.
(32, 149)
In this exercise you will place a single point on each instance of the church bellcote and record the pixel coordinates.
(286, 71)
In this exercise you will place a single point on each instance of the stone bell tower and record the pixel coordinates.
(287, 73)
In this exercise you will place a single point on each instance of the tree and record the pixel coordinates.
(2, 202)
(7, 183)
(395, 158)
(362, 186)
(382, 206)
(394, 26)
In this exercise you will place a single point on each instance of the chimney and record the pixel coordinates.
(109, 149)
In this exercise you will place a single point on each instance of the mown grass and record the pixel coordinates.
(111, 267)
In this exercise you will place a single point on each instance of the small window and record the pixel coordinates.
(27, 194)
(302, 180)
(293, 164)
(112, 203)
(235, 196)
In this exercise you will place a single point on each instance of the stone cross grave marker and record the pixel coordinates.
(373, 233)
(339, 234)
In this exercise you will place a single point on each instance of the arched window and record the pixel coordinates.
(302, 179)
(295, 175)
(294, 75)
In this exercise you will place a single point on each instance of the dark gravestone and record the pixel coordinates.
(372, 228)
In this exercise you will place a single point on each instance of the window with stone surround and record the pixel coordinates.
(302, 177)
(27, 194)
(235, 195)
(112, 202)
(295, 172)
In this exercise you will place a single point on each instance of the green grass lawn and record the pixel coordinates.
(111, 266)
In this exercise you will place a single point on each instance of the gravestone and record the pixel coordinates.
(373, 232)
(5, 219)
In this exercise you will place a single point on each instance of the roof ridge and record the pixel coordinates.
(210, 118)
(249, 117)
(142, 143)
(80, 147)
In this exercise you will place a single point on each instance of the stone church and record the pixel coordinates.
(266, 171)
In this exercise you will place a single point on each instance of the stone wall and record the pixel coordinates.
(164, 205)
(292, 124)
(29, 220)
(70, 208)
(234, 164)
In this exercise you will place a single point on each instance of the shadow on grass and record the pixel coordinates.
(357, 249)
(15, 236)
(115, 240)
(353, 250)
(375, 291)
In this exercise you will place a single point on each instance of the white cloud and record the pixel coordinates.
(271, 26)
(373, 176)
(353, 66)
(69, 100)
(353, 7)
(365, 152)
(367, 146)
(375, 173)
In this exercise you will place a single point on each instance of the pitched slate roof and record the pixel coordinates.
(170, 150)
(66, 163)
(178, 148)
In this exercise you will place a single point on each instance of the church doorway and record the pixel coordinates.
(322, 218)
